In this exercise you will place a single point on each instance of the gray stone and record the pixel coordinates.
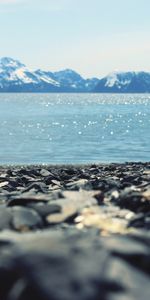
(5, 217)
(45, 209)
(25, 219)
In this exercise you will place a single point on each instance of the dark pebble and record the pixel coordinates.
(37, 186)
(137, 221)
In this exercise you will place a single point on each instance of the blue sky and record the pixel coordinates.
(94, 37)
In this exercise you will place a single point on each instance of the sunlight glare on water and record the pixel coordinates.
(74, 128)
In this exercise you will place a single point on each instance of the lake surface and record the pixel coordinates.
(74, 128)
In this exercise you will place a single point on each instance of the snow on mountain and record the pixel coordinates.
(124, 82)
(16, 77)
(74, 81)
(47, 77)
(13, 71)
(119, 79)
(111, 80)
(8, 62)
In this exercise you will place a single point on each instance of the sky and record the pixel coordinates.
(93, 37)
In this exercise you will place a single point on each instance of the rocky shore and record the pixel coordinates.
(75, 232)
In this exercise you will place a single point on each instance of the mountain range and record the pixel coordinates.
(16, 77)
(124, 82)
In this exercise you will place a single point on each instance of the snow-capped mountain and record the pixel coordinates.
(16, 77)
(71, 79)
(124, 82)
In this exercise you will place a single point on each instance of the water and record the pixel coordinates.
(74, 128)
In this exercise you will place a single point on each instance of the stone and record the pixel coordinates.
(44, 173)
(146, 194)
(45, 209)
(25, 219)
(77, 185)
(106, 268)
(3, 184)
(94, 217)
(137, 221)
(37, 186)
(67, 211)
(5, 218)
(75, 232)
(132, 199)
(26, 198)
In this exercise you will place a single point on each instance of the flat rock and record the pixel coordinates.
(25, 219)
(25, 198)
(71, 205)
(45, 209)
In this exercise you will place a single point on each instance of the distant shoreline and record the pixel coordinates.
(76, 165)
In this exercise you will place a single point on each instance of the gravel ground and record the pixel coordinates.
(75, 232)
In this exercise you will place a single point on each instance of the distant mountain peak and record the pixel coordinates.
(124, 82)
(10, 62)
(68, 72)
(70, 78)
(16, 77)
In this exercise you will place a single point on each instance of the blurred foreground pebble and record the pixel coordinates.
(75, 232)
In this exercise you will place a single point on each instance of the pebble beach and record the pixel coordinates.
(75, 232)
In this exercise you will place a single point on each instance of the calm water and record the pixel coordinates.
(74, 128)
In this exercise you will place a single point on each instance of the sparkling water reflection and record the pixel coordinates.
(74, 128)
